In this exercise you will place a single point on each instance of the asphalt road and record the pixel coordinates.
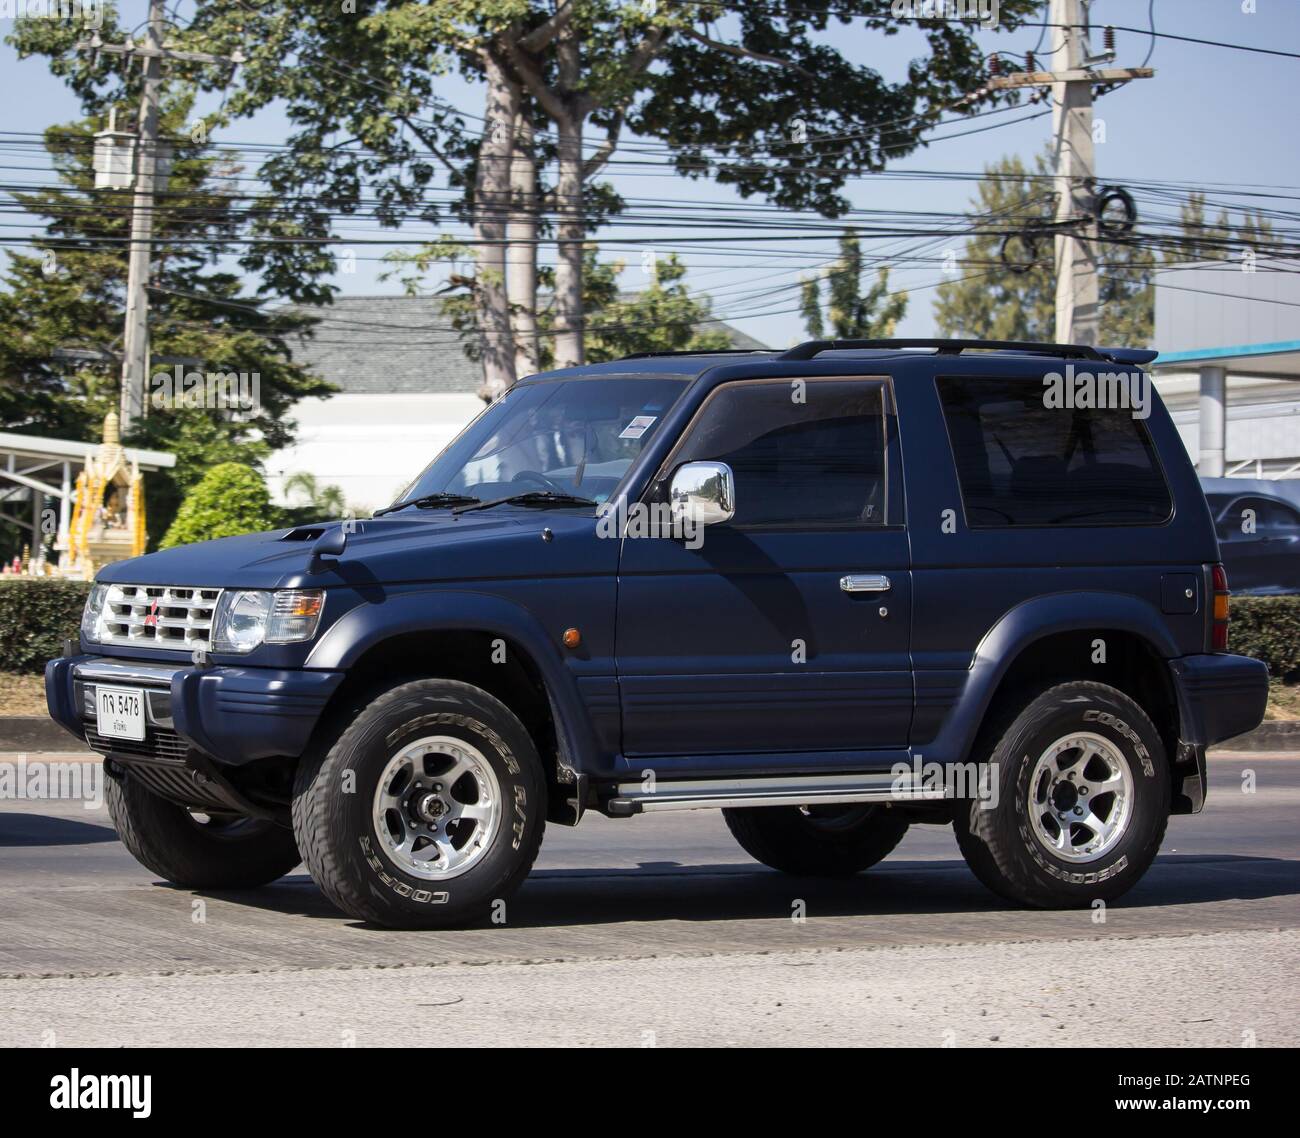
(660, 930)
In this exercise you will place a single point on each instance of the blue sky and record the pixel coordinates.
(1210, 116)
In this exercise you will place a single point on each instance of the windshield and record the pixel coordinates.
(569, 436)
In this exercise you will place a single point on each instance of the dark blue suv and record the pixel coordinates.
(832, 591)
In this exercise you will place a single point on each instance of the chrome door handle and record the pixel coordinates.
(865, 583)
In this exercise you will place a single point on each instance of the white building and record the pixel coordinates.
(405, 389)
(1229, 365)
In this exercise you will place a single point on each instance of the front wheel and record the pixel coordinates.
(1082, 799)
(816, 841)
(427, 810)
(197, 851)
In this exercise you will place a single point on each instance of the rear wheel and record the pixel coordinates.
(1083, 799)
(817, 841)
(198, 851)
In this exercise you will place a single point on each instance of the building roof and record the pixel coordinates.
(399, 345)
(386, 345)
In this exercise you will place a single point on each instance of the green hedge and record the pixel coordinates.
(1268, 628)
(36, 616)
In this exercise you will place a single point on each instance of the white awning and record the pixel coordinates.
(57, 450)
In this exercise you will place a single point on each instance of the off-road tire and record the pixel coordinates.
(999, 844)
(336, 831)
(217, 854)
(796, 842)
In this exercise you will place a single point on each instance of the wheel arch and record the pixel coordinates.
(1056, 637)
(485, 641)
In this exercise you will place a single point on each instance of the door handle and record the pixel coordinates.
(865, 583)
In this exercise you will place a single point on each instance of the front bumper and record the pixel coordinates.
(234, 715)
(1219, 696)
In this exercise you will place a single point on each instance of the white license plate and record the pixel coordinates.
(121, 712)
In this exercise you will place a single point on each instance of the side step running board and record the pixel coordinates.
(809, 790)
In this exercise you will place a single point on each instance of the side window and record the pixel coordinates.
(811, 453)
(1023, 463)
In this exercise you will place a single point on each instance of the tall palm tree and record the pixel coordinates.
(326, 501)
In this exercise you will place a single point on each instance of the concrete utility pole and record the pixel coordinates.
(135, 349)
(1077, 286)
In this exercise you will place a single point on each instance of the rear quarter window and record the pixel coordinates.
(1023, 463)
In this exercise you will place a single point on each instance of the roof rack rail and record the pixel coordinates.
(1139, 357)
(698, 352)
(811, 348)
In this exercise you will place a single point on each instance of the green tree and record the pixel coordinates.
(1013, 296)
(229, 500)
(662, 317)
(1218, 240)
(853, 314)
(70, 294)
(759, 97)
(310, 500)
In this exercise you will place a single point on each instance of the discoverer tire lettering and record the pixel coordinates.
(1003, 846)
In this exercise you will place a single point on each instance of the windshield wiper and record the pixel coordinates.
(530, 498)
(429, 502)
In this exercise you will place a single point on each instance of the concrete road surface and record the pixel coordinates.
(660, 930)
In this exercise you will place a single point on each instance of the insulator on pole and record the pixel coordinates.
(995, 64)
(1029, 61)
(1109, 37)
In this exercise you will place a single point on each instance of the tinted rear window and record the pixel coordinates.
(1022, 463)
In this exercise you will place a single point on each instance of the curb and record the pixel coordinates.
(1274, 735)
(35, 733)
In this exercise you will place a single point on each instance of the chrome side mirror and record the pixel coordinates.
(703, 493)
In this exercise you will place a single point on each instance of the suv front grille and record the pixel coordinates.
(158, 616)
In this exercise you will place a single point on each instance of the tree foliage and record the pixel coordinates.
(756, 96)
(662, 317)
(991, 300)
(71, 294)
(853, 314)
(229, 500)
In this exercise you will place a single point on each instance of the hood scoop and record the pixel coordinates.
(304, 533)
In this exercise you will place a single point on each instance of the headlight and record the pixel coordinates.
(92, 612)
(246, 618)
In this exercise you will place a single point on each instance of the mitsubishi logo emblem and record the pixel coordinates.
(151, 617)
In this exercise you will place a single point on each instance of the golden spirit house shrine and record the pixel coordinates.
(99, 518)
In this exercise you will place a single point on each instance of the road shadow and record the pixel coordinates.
(656, 892)
(46, 830)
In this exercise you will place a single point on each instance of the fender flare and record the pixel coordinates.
(1025, 624)
(449, 610)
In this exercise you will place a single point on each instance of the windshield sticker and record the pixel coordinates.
(638, 427)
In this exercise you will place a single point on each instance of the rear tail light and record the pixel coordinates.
(1219, 627)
